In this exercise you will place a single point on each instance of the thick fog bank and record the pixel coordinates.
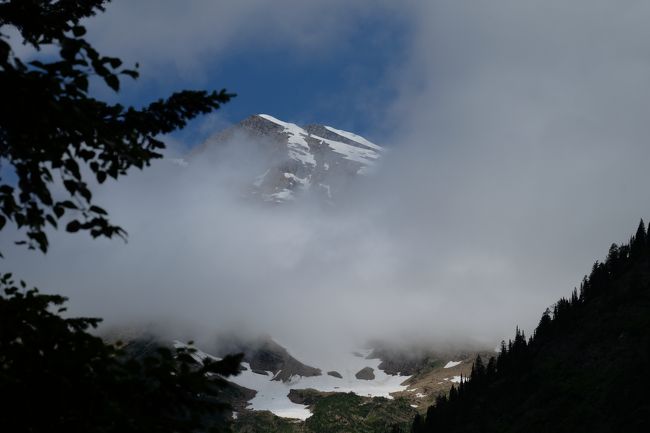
(518, 155)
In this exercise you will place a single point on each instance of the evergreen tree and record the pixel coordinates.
(491, 368)
(571, 375)
(544, 323)
(418, 424)
(478, 369)
(453, 394)
(638, 242)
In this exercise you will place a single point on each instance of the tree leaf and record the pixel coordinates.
(97, 210)
(113, 82)
(51, 220)
(67, 204)
(114, 62)
(73, 226)
(78, 31)
(131, 73)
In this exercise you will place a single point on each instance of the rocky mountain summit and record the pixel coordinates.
(313, 160)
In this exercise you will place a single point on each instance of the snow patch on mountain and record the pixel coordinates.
(299, 180)
(354, 137)
(272, 395)
(298, 147)
(352, 153)
(280, 196)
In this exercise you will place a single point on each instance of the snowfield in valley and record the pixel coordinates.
(272, 395)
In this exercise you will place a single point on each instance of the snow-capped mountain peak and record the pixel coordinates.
(311, 160)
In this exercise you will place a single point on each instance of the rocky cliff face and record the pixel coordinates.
(315, 160)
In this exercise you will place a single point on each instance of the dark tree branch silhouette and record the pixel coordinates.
(57, 375)
(52, 129)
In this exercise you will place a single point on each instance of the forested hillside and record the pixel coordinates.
(586, 368)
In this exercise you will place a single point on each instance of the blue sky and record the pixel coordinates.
(335, 87)
(347, 82)
(330, 87)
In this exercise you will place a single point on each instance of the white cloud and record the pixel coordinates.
(183, 37)
(519, 154)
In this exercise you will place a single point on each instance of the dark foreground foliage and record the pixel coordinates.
(585, 369)
(57, 377)
(55, 138)
(54, 134)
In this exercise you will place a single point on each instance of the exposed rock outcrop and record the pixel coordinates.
(366, 373)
